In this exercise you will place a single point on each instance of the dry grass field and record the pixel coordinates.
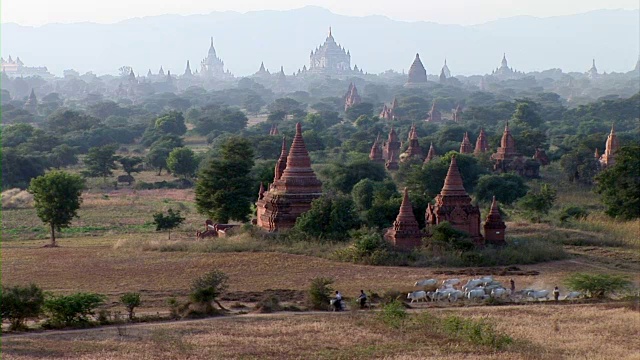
(113, 249)
(538, 332)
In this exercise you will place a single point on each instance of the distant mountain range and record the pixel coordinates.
(285, 38)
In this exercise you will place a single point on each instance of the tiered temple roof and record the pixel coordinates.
(392, 145)
(494, 227)
(352, 98)
(507, 158)
(434, 114)
(413, 151)
(330, 58)
(274, 130)
(293, 189)
(212, 66)
(31, 105)
(465, 146)
(405, 232)
(375, 154)
(611, 147)
(417, 73)
(431, 154)
(389, 112)
(482, 145)
(453, 204)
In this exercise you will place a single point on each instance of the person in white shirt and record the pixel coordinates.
(338, 301)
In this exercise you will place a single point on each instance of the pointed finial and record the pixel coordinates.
(298, 129)
(613, 130)
(330, 32)
(211, 41)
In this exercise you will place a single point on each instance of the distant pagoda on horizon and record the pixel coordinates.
(331, 59)
(212, 66)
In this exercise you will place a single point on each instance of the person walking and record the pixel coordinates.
(337, 303)
(556, 293)
(362, 299)
(513, 285)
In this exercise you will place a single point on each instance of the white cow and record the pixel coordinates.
(441, 294)
(573, 295)
(499, 293)
(450, 282)
(472, 284)
(476, 294)
(455, 295)
(486, 280)
(426, 282)
(537, 295)
(417, 295)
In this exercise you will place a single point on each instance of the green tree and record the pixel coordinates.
(72, 309)
(224, 188)
(20, 303)
(56, 197)
(526, 114)
(171, 123)
(182, 162)
(429, 179)
(597, 285)
(100, 161)
(539, 201)
(207, 288)
(619, 184)
(18, 169)
(160, 150)
(356, 111)
(130, 164)
(320, 292)
(330, 218)
(167, 222)
(507, 188)
(343, 177)
(63, 155)
(131, 301)
(579, 166)
(64, 120)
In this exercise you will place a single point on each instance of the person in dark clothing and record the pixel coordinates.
(362, 299)
(556, 293)
(337, 301)
(513, 285)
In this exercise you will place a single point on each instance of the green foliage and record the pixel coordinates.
(368, 248)
(171, 123)
(573, 212)
(619, 184)
(393, 314)
(73, 309)
(527, 115)
(219, 118)
(343, 177)
(20, 303)
(539, 201)
(65, 120)
(19, 169)
(182, 162)
(358, 110)
(57, 199)
(63, 155)
(208, 287)
(320, 292)
(224, 188)
(169, 221)
(597, 285)
(507, 188)
(579, 166)
(100, 161)
(445, 235)
(160, 150)
(130, 164)
(131, 301)
(330, 218)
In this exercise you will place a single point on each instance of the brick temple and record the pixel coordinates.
(294, 187)
(405, 232)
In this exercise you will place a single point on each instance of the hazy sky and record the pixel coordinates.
(39, 12)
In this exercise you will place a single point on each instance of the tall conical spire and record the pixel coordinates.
(453, 182)
(417, 72)
(431, 154)
(465, 146)
(281, 164)
(611, 147)
(187, 70)
(405, 232)
(261, 191)
(494, 226)
(262, 69)
(481, 143)
(406, 218)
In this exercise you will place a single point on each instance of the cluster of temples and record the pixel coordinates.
(452, 205)
(294, 187)
(506, 158)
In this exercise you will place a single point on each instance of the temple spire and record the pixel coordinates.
(281, 164)
(431, 154)
(453, 182)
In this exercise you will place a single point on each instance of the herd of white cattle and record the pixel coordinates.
(476, 290)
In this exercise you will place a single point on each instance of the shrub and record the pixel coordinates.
(268, 304)
(320, 293)
(479, 332)
(72, 309)
(18, 303)
(393, 314)
(573, 212)
(174, 308)
(207, 288)
(597, 285)
(368, 248)
(131, 301)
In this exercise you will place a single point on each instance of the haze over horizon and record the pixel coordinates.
(376, 43)
(459, 12)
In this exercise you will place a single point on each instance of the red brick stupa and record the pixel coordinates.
(453, 204)
(507, 159)
(391, 146)
(494, 227)
(351, 98)
(293, 188)
(434, 115)
(482, 145)
(417, 74)
(405, 233)
(375, 154)
(465, 146)
(413, 151)
(431, 154)
(612, 145)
